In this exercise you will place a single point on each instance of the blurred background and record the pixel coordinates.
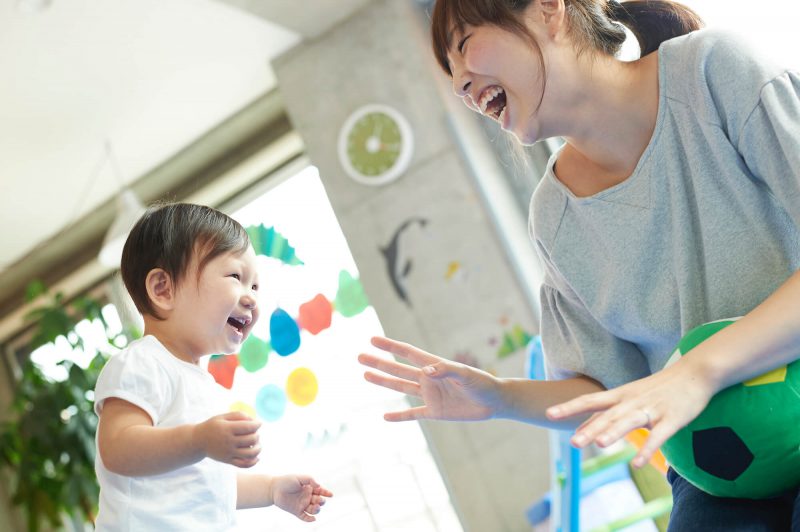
(266, 109)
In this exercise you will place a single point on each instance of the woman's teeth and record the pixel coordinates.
(492, 103)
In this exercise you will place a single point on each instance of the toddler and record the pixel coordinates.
(165, 450)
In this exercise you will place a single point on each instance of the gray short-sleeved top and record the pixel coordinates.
(706, 227)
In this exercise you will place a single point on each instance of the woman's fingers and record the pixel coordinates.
(404, 350)
(403, 371)
(610, 426)
(584, 404)
(656, 439)
(407, 415)
(398, 385)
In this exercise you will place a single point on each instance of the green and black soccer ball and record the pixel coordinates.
(746, 443)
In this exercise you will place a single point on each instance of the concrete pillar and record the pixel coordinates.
(463, 293)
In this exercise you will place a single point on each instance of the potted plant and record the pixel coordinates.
(49, 442)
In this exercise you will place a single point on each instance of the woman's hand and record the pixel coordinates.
(449, 390)
(664, 403)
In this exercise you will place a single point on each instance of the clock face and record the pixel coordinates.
(375, 144)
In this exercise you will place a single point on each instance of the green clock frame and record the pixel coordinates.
(375, 144)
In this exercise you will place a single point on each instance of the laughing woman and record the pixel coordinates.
(675, 201)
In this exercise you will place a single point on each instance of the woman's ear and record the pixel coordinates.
(552, 13)
(160, 289)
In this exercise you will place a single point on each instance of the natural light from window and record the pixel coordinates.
(770, 25)
(382, 474)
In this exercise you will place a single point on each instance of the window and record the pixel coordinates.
(382, 474)
(770, 24)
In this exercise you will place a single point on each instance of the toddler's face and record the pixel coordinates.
(217, 311)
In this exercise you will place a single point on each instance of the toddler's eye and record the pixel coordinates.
(235, 276)
(255, 288)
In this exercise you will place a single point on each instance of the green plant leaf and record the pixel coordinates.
(52, 459)
(34, 290)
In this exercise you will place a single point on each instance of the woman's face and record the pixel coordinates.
(498, 73)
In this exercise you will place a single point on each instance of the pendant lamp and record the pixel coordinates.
(129, 210)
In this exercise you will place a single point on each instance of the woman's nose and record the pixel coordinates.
(461, 85)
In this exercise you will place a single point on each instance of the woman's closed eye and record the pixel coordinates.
(461, 44)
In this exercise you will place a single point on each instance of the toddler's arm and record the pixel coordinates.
(300, 495)
(130, 445)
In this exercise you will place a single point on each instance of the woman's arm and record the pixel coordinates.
(765, 338)
(130, 445)
(457, 392)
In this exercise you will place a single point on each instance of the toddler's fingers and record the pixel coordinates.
(244, 463)
(248, 440)
(322, 491)
(248, 453)
(313, 509)
(236, 415)
(241, 428)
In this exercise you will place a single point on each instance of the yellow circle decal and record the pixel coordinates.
(301, 386)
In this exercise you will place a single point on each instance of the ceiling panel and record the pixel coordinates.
(148, 76)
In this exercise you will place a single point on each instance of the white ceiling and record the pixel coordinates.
(148, 76)
(151, 76)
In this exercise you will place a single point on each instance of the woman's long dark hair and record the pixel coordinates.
(592, 23)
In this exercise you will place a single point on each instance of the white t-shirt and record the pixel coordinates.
(201, 496)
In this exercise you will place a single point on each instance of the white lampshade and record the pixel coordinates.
(129, 210)
(32, 7)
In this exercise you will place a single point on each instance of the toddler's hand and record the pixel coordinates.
(230, 438)
(300, 495)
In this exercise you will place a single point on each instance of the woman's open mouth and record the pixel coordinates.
(493, 103)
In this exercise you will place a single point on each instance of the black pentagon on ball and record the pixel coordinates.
(720, 452)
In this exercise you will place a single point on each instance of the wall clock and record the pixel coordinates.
(375, 144)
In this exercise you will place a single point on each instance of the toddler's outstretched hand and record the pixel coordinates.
(300, 495)
(230, 438)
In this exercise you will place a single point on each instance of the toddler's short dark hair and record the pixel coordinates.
(167, 235)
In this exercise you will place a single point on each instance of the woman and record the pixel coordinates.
(674, 202)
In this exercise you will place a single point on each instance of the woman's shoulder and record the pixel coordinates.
(718, 57)
(717, 75)
(705, 37)
(547, 206)
(714, 44)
